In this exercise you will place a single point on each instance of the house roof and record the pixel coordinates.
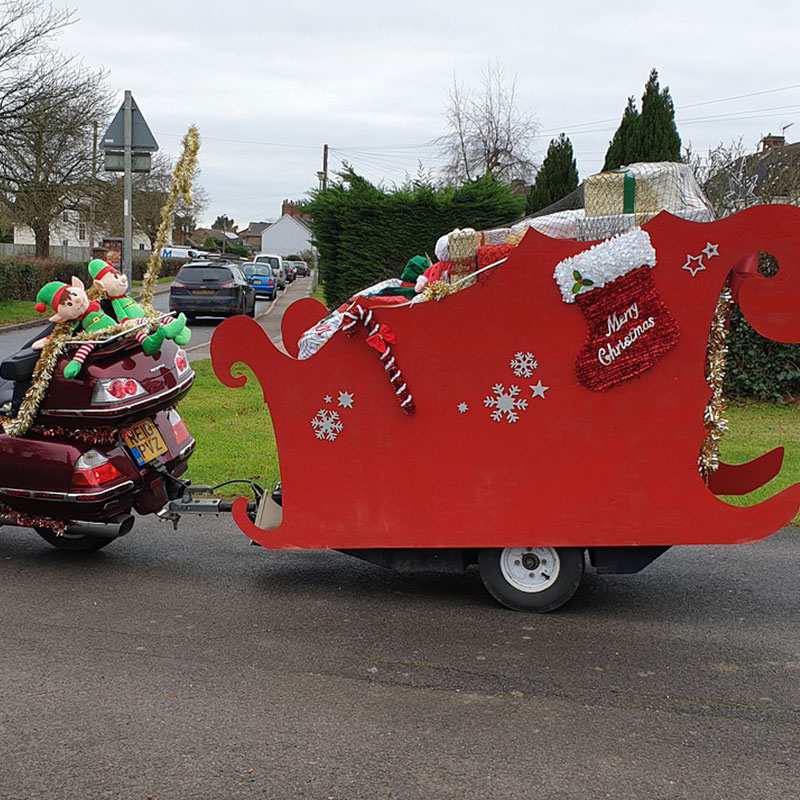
(255, 229)
(296, 218)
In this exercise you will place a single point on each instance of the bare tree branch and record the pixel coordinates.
(486, 132)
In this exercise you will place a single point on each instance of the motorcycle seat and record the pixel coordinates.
(6, 394)
(19, 367)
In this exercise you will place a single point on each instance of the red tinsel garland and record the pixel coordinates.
(381, 338)
(86, 435)
(30, 521)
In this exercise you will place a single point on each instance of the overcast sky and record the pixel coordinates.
(269, 84)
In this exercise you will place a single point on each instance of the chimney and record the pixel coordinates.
(770, 142)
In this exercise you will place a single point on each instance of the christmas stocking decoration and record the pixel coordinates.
(630, 328)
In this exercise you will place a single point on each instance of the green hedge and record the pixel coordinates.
(365, 234)
(21, 278)
(759, 367)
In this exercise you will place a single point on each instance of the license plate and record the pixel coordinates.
(202, 291)
(144, 441)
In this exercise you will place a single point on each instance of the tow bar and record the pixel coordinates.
(264, 510)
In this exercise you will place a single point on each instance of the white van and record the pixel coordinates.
(276, 262)
(171, 251)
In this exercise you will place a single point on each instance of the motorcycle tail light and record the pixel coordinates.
(181, 361)
(113, 390)
(93, 469)
(179, 429)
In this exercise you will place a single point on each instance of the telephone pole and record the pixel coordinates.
(93, 198)
(324, 167)
(127, 184)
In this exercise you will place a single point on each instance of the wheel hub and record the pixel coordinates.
(530, 569)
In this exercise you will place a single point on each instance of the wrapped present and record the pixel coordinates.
(620, 192)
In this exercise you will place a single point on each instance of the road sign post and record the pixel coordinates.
(128, 140)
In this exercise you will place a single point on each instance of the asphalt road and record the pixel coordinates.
(190, 665)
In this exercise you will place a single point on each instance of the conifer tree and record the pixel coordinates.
(649, 136)
(621, 148)
(557, 177)
(657, 136)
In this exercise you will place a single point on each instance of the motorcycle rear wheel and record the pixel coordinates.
(74, 542)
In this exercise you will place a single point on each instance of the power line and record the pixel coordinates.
(242, 141)
(551, 131)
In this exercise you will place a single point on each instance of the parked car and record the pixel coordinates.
(301, 268)
(276, 263)
(212, 288)
(260, 277)
(290, 271)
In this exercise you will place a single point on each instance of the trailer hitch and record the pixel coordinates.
(197, 499)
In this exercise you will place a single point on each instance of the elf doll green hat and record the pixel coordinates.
(50, 295)
(414, 267)
(99, 267)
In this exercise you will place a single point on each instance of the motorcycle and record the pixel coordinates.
(102, 445)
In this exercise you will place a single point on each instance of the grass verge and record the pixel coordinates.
(12, 311)
(235, 438)
(233, 429)
(755, 428)
(319, 294)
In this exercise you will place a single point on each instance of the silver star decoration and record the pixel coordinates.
(463, 408)
(539, 390)
(328, 398)
(688, 265)
(345, 399)
(711, 250)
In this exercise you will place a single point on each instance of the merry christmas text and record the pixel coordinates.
(608, 352)
(616, 321)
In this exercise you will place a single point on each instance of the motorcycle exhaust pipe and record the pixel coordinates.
(111, 529)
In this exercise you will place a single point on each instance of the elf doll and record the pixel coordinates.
(115, 285)
(71, 304)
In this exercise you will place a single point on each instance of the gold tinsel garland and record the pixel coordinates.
(180, 184)
(714, 418)
(436, 290)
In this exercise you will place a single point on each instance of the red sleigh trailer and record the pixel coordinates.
(545, 427)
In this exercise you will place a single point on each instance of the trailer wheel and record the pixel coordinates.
(539, 579)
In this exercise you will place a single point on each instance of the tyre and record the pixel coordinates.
(74, 542)
(538, 579)
(252, 312)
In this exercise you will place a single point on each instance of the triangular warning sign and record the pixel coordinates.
(141, 136)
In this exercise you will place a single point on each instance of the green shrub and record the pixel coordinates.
(21, 278)
(759, 367)
(365, 234)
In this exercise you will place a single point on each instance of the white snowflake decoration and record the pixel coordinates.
(505, 403)
(345, 399)
(326, 424)
(523, 364)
